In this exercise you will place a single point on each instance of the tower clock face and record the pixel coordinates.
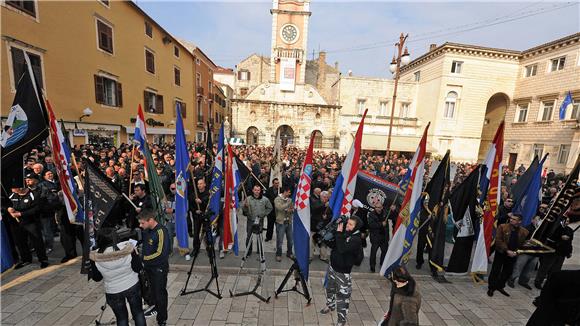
(289, 33)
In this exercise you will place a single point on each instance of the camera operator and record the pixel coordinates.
(347, 252)
(255, 208)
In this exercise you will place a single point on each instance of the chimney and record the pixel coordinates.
(336, 65)
(321, 82)
(432, 47)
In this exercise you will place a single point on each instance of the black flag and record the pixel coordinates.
(463, 202)
(520, 187)
(438, 188)
(371, 190)
(26, 127)
(100, 198)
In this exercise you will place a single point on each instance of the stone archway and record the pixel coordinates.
(494, 114)
(286, 135)
(317, 139)
(252, 136)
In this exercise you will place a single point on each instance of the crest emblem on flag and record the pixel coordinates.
(180, 185)
(303, 188)
(16, 126)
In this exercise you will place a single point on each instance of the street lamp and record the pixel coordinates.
(87, 112)
(402, 59)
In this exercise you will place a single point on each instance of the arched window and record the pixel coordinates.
(317, 139)
(252, 136)
(450, 104)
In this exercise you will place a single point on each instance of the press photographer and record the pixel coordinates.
(346, 252)
(255, 208)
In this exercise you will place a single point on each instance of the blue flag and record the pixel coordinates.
(528, 204)
(567, 102)
(215, 188)
(6, 257)
(181, 177)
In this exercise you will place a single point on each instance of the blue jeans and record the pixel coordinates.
(117, 303)
(281, 230)
(523, 268)
(47, 233)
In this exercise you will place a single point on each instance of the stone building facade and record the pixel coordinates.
(286, 93)
(533, 126)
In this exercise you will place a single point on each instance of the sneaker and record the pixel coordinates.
(149, 309)
(22, 264)
(187, 257)
(151, 313)
(222, 254)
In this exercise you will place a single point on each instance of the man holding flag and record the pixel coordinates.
(407, 221)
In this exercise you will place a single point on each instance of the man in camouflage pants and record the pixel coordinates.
(344, 255)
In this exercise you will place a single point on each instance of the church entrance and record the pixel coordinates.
(286, 135)
(252, 136)
(494, 115)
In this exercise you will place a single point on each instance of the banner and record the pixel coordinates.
(371, 190)
(287, 74)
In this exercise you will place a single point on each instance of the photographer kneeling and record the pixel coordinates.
(118, 264)
(347, 251)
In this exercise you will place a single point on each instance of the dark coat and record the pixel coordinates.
(379, 233)
(405, 309)
(559, 301)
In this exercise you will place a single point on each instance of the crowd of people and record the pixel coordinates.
(38, 214)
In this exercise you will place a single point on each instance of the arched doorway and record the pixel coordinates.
(494, 114)
(286, 135)
(252, 136)
(317, 139)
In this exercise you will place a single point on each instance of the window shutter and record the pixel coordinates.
(119, 95)
(239, 75)
(175, 109)
(99, 90)
(146, 101)
(183, 110)
(248, 72)
(159, 104)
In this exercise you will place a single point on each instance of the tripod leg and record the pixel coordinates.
(305, 288)
(286, 278)
(246, 256)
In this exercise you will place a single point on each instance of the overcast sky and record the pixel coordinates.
(360, 35)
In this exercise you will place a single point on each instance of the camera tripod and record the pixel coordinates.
(212, 262)
(298, 278)
(256, 231)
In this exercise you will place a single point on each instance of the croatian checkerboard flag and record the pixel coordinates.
(62, 158)
(301, 219)
(140, 130)
(233, 181)
(407, 221)
(343, 192)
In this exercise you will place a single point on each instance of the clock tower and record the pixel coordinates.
(289, 40)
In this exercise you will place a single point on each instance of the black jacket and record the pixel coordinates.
(27, 205)
(316, 211)
(379, 233)
(344, 253)
(156, 247)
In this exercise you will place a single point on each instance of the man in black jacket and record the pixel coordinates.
(345, 254)
(25, 211)
(156, 250)
(197, 205)
(379, 234)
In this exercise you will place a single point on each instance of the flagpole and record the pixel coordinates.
(131, 168)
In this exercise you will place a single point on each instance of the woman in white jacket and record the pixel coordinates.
(118, 264)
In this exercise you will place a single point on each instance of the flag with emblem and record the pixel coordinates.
(232, 184)
(215, 188)
(181, 177)
(301, 218)
(345, 186)
(407, 221)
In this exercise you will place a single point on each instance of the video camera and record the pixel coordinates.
(257, 225)
(327, 233)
